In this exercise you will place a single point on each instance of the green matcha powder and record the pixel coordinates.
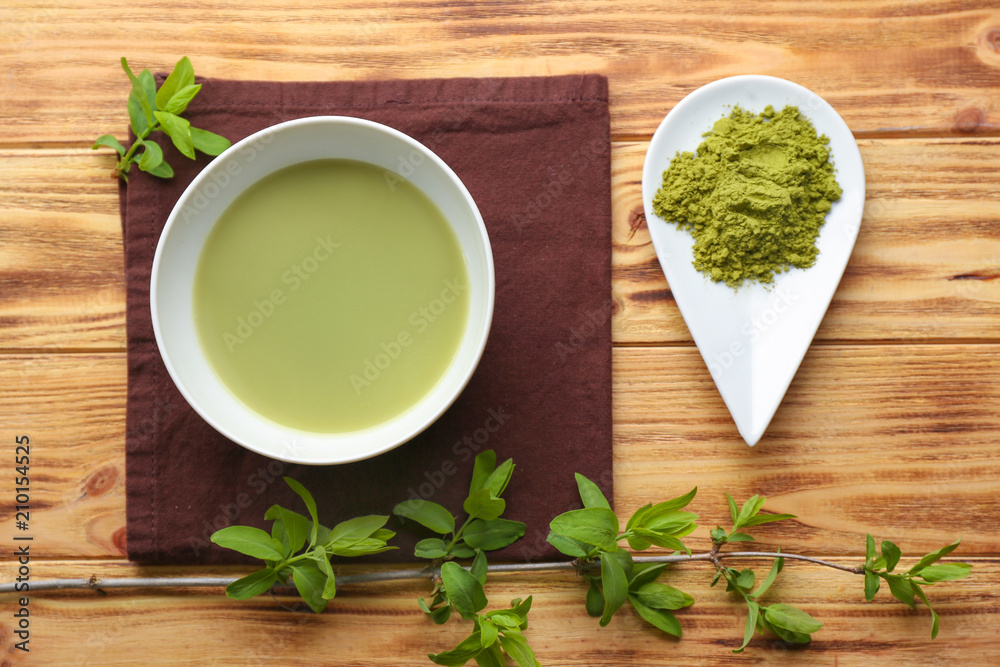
(754, 197)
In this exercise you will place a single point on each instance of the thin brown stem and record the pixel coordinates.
(714, 556)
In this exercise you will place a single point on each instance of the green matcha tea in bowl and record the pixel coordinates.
(312, 304)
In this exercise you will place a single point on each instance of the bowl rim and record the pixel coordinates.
(268, 133)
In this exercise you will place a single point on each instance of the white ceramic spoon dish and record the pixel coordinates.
(753, 339)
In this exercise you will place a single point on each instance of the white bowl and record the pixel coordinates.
(216, 187)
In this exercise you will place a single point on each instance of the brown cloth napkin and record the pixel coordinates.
(535, 154)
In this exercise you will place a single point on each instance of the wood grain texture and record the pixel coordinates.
(888, 67)
(380, 624)
(926, 266)
(862, 435)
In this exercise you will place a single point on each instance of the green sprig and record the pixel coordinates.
(300, 548)
(150, 110)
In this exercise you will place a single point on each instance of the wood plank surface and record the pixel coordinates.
(380, 624)
(889, 67)
(926, 266)
(863, 434)
(891, 425)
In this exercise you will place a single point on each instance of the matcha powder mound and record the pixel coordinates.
(754, 197)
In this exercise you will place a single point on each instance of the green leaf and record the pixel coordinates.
(250, 541)
(733, 512)
(945, 572)
(141, 99)
(439, 615)
(181, 77)
(637, 542)
(494, 534)
(644, 574)
(306, 498)
(615, 585)
(179, 131)
(521, 608)
(252, 584)
(740, 537)
(659, 512)
(934, 617)
(181, 99)
(162, 170)
(753, 610)
(148, 83)
(659, 618)
(479, 567)
(933, 557)
(310, 583)
(136, 117)
(870, 552)
(787, 635)
(330, 587)
(463, 589)
(871, 585)
(482, 504)
(209, 143)
(491, 656)
(568, 545)
(110, 142)
(461, 654)
(901, 588)
(891, 553)
(746, 579)
(661, 596)
(291, 524)
(361, 548)
(661, 540)
(776, 567)
(517, 648)
(718, 535)
(151, 156)
(432, 547)
(356, 529)
(766, 518)
(499, 478)
(428, 514)
(462, 550)
(592, 525)
(488, 631)
(590, 493)
(638, 516)
(486, 463)
(506, 618)
(750, 509)
(624, 559)
(790, 618)
(595, 600)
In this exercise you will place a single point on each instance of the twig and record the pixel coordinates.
(94, 583)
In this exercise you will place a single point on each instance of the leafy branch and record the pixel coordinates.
(300, 548)
(150, 110)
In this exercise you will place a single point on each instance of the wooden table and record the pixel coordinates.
(891, 425)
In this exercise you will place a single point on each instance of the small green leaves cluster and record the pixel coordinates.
(746, 517)
(904, 585)
(591, 535)
(150, 110)
(495, 634)
(300, 548)
(483, 529)
(787, 622)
